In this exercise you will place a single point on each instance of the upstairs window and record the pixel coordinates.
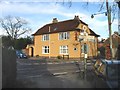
(55, 28)
(45, 37)
(64, 35)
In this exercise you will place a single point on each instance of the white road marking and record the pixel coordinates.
(77, 71)
(64, 73)
(61, 73)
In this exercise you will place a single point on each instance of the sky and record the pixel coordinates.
(41, 12)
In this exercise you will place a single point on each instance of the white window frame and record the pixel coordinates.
(45, 50)
(64, 35)
(64, 49)
(45, 37)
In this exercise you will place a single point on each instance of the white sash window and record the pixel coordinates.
(63, 49)
(64, 35)
(45, 50)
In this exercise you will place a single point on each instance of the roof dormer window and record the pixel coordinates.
(55, 28)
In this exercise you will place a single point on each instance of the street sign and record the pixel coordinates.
(90, 37)
(85, 38)
(85, 55)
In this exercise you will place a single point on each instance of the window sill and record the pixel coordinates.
(64, 53)
(63, 39)
(45, 41)
(45, 53)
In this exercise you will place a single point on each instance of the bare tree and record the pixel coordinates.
(14, 26)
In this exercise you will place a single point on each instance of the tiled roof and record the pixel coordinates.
(58, 27)
(115, 40)
(63, 26)
(93, 33)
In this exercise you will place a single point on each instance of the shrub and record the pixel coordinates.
(37, 56)
(59, 57)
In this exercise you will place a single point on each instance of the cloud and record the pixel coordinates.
(56, 0)
(36, 9)
(30, 8)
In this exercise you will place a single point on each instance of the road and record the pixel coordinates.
(40, 74)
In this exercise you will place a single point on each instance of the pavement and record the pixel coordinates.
(50, 61)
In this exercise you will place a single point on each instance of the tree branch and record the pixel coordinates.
(14, 25)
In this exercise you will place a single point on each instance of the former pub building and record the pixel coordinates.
(69, 37)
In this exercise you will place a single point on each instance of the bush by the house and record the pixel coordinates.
(59, 57)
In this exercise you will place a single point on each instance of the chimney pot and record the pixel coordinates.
(76, 17)
(55, 20)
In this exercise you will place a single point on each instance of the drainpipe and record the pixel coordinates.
(49, 42)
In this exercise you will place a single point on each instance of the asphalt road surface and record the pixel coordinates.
(40, 74)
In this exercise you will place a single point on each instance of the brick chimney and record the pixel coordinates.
(76, 17)
(55, 20)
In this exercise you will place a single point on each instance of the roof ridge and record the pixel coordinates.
(67, 21)
(60, 21)
(65, 25)
(116, 35)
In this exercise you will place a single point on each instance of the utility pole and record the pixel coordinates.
(118, 16)
(109, 26)
(118, 51)
(118, 2)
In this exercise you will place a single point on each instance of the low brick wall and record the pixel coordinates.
(8, 68)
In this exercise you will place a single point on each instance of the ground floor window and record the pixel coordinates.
(63, 49)
(45, 49)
